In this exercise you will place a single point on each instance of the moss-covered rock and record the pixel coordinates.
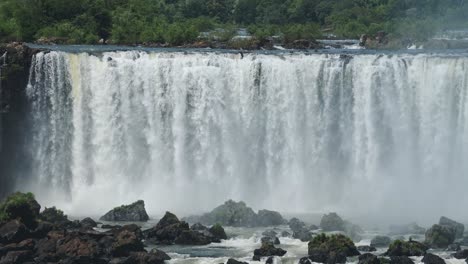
(133, 212)
(439, 236)
(334, 248)
(268, 249)
(269, 218)
(20, 206)
(406, 248)
(432, 259)
(218, 231)
(53, 215)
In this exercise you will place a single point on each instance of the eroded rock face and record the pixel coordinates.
(439, 236)
(459, 227)
(368, 259)
(461, 254)
(134, 212)
(233, 261)
(366, 248)
(88, 223)
(231, 213)
(269, 218)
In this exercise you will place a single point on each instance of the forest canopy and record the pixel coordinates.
(178, 22)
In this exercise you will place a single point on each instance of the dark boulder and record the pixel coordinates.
(76, 245)
(88, 223)
(269, 218)
(331, 249)
(439, 236)
(461, 254)
(22, 207)
(459, 227)
(400, 260)
(380, 241)
(131, 228)
(218, 232)
(368, 258)
(125, 243)
(167, 230)
(432, 259)
(304, 235)
(153, 257)
(366, 248)
(270, 260)
(285, 234)
(268, 250)
(332, 222)
(233, 261)
(305, 260)
(231, 213)
(406, 248)
(132, 212)
(13, 257)
(273, 240)
(13, 231)
(190, 237)
(42, 229)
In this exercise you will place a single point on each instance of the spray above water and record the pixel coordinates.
(382, 134)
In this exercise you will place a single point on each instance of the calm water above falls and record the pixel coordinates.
(384, 134)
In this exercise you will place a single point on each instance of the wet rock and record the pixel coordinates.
(75, 245)
(305, 260)
(366, 248)
(13, 231)
(267, 250)
(331, 249)
(190, 237)
(406, 248)
(233, 261)
(464, 241)
(368, 259)
(439, 236)
(400, 260)
(125, 243)
(461, 254)
(88, 223)
(459, 228)
(153, 257)
(453, 247)
(332, 222)
(270, 260)
(285, 234)
(42, 229)
(380, 241)
(167, 230)
(432, 259)
(14, 257)
(218, 232)
(110, 226)
(131, 228)
(132, 212)
(231, 213)
(269, 218)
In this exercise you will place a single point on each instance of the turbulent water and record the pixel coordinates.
(292, 132)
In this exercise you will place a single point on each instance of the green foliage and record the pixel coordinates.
(21, 206)
(180, 21)
(53, 215)
(406, 248)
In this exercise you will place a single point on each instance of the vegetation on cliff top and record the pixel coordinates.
(177, 22)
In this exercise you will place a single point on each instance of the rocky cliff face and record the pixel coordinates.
(13, 108)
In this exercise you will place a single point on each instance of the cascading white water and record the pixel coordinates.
(292, 132)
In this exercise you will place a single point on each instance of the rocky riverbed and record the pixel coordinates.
(31, 235)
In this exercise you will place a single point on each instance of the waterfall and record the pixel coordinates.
(292, 132)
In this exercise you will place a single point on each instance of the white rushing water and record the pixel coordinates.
(292, 132)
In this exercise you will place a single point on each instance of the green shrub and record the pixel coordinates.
(21, 206)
